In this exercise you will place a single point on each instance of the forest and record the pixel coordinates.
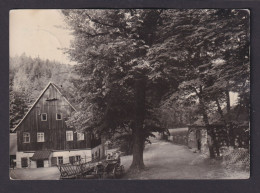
(28, 77)
(142, 71)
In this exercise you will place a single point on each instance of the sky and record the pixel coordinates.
(36, 33)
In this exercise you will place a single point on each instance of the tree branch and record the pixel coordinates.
(104, 24)
(96, 34)
(198, 94)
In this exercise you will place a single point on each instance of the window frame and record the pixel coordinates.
(42, 116)
(60, 160)
(82, 138)
(57, 116)
(29, 137)
(67, 132)
(39, 134)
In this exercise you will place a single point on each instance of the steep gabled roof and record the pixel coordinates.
(56, 87)
(62, 92)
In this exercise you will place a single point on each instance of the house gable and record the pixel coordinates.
(44, 126)
(47, 96)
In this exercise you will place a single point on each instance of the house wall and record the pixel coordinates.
(33, 164)
(12, 144)
(54, 130)
(46, 163)
(20, 155)
(96, 149)
(84, 154)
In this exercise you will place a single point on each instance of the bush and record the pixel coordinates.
(238, 158)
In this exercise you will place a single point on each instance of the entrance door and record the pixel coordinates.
(72, 160)
(53, 161)
(40, 164)
(24, 161)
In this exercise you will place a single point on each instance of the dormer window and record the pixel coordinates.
(58, 116)
(44, 117)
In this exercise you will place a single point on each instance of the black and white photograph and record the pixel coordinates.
(132, 94)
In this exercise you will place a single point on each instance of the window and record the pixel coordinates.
(77, 158)
(40, 137)
(60, 160)
(44, 117)
(69, 136)
(26, 137)
(58, 116)
(80, 136)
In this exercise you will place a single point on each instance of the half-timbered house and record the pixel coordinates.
(44, 139)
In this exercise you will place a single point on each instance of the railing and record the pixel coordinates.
(75, 170)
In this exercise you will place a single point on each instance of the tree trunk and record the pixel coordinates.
(209, 133)
(206, 121)
(220, 111)
(229, 132)
(138, 133)
(138, 146)
(224, 120)
(228, 101)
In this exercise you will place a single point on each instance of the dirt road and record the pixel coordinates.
(165, 160)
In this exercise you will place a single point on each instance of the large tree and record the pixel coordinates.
(118, 87)
(129, 61)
